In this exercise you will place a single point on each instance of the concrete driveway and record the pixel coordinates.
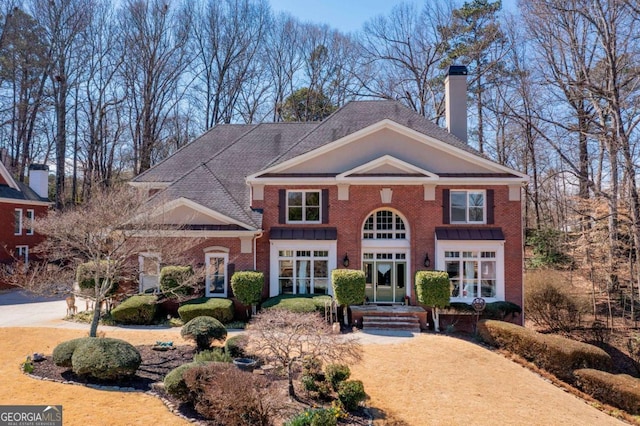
(19, 308)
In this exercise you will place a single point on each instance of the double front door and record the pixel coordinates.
(386, 276)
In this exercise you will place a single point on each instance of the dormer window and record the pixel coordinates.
(303, 206)
(467, 207)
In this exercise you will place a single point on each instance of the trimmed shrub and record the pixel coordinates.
(558, 355)
(204, 330)
(351, 394)
(212, 355)
(500, 310)
(619, 390)
(348, 286)
(85, 276)
(223, 393)
(218, 308)
(64, 351)
(105, 359)
(317, 417)
(433, 288)
(247, 286)
(174, 381)
(172, 280)
(138, 309)
(296, 303)
(336, 374)
(234, 346)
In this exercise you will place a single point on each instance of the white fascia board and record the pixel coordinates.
(189, 233)
(7, 177)
(26, 202)
(383, 161)
(178, 202)
(391, 125)
(388, 180)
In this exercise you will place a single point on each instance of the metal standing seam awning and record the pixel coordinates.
(472, 234)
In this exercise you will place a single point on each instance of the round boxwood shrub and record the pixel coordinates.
(172, 279)
(204, 330)
(351, 394)
(105, 359)
(247, 286)
(174, 381)
(218, 308)
(64, 351)
(138, 309)
(336, 374)
(234, 346)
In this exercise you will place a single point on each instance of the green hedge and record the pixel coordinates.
(64, 351)
(105, 359)
(139, 309)
(619, 390)
(433, 288)
(247, 286)
(348, 286)
(85, 276)
(218, 308)
(297, 303)
(172, 279)
(556, 354)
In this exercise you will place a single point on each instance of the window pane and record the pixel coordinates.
(216, 275)
(295, 214)
(458, 214)
(459, 199)
(295, 198)
(313, 214)
(320, 286)
(312, 199)
(476, 214)
(17, 221)
(488, 288)
(476, 199)
(320, 269)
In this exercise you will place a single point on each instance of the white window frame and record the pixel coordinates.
(306, 245)
(394, 230)
(304, 207)
(22, 253)
(225, 258)
(141, 258)
(474, 246)
(17, 224)
(30, 217)
(468, 192)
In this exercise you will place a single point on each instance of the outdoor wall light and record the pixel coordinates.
(427, 261)
(345, 261)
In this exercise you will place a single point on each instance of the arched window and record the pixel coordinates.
(384, 225)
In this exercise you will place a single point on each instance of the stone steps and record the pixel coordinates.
(383, 322)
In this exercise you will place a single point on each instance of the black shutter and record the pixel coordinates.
(490, 215)
(282, 206)
(231, 269)
(446, 219)
(324, 198)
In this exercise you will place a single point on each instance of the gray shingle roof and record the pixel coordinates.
(211, 170)
(25, 193)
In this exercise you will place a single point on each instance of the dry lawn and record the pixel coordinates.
(428, 380)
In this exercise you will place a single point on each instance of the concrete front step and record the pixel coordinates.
(407, 323)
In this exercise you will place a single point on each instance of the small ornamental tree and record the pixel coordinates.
(348, 288)
(247, 287)
(433, 289)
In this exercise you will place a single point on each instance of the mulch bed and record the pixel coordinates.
(155, 365)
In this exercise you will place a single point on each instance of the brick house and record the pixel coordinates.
(19, 205)
(375, 186)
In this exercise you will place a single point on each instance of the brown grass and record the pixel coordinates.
(431, 379)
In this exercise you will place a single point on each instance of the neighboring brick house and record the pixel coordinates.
(375, 186)
(19, 206)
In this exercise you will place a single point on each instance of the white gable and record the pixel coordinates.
(186, 212)
(387, 166)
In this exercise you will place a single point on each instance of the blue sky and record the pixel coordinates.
(345, 15)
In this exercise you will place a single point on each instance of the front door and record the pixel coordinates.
(386, 276)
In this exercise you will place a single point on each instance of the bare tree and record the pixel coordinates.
(286, 338)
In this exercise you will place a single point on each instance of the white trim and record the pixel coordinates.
(188, 233)
(25, 202)
(20, 222)
(277, 245)
(24, 255)
(468, 181)
(496, 246)
(304, 207)
(386, 160)
(30, 221)
(7, 177)
(207, 258)
(218, 249)
(185, 202)
(403, 130)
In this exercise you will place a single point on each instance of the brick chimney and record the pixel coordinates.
(39, 179)
(455, 99)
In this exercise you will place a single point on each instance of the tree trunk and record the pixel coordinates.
(93, 331)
